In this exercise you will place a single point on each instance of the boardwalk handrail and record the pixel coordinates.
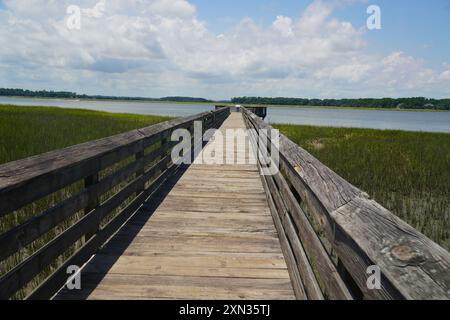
(332, 232)
(116, 175)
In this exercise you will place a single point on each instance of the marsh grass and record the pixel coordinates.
(406, 172)
(28, 131)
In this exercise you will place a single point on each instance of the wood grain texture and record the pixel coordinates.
(23, 234)
(331, 282)
(58, 278)
(302, 288)
(24, 181)
(210, 236)
(24, 272)
(27, 180)
(363, 233)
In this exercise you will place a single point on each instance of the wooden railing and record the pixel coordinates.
(111, 177)
(331, 233)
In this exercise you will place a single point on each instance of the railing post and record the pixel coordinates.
(164, 141)
(140, 155)
(94, 201)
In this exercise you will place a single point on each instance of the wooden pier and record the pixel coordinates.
(142, 227)
(211, 236)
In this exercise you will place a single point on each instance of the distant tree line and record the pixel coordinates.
(400, 103)
(388, 103)
(72, 95)
(184, 99)
(42, 93)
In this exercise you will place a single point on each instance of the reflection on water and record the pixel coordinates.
(377, 119)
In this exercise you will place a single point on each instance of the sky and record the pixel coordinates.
(222, 49)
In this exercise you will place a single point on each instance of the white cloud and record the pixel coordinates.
(160, 47)
(284, 25)
(445, 76)
(353, 72)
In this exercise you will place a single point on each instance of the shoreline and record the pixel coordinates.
(168, 116)
(225, 104)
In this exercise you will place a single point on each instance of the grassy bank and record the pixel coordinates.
(407, 172)
(27, 131)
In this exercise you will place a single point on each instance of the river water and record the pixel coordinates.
(375, 119)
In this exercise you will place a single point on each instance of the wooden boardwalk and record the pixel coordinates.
(143, 227)
(180, 246)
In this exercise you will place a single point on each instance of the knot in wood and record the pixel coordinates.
(406, 254)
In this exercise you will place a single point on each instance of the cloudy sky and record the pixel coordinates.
(224, 48)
